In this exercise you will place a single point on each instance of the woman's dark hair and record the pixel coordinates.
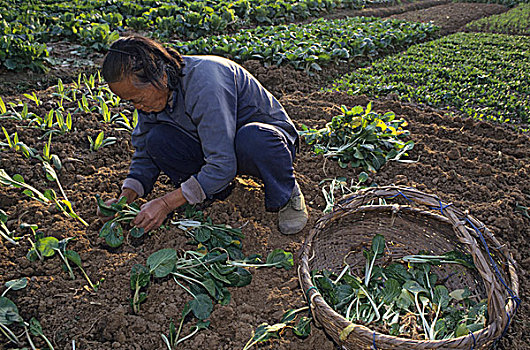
(142, 58)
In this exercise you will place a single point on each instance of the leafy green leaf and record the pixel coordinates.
(8, 312)
(140, 276)
(391, 290)
(73, 257)
(34, 327)
(162, 262)
(303, 328)
(137, 232)
(114, 234)
(47, 246)
(378, 245)
(280, 259)
(201, 306)
(17, 284)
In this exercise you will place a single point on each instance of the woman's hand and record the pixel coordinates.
(127, 192)
(102, 217)
(153, 213)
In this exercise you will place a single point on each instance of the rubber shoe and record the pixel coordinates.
(292, 218)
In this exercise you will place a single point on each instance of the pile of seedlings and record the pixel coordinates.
(405, 298)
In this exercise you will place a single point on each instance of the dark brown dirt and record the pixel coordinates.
(452, 17)
(478, 166)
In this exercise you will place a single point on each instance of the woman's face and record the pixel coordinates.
(144, 96)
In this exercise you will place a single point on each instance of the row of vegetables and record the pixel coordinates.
(481, 75)
(28, 26)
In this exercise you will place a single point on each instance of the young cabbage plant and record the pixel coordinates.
(9, 312)
(121, 212)
(4, 231)
(36, 329)
(8, 316)
(376, 251)
(45, 247)
(100, 141)
(140, 277)
(452, 257)
(265, 332)
(12, 140)
(17, 181)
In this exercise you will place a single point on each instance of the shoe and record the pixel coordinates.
(292, 218)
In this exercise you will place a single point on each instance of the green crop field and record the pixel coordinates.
(481, 75)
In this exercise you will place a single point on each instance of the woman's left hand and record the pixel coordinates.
(152, 214)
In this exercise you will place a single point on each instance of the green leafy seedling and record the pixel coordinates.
(120, 212)
(4, 231)
(36, 329)
(376, 251)
(140, 277)
(16, 284)
(9, 315)
(76, 259)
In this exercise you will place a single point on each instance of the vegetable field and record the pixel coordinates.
(435, 94)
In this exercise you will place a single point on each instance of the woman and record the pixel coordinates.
(202, 120)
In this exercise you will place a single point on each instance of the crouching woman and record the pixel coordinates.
(202, 120)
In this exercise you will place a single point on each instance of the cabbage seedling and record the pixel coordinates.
(4, 231)
(48, 196)
(100, 141)
(36, 329)
(16, 284)
(265, 332)
(112, 230)
(9, 311)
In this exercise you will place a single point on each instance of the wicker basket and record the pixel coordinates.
(415, 221)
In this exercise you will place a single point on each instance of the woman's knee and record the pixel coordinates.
(258, 138)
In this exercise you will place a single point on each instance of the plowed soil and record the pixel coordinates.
(478, 166)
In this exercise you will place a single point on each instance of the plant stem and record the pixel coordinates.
(136, 306)
(175, 275)
(35, 249)
(369, 272)
(9, 335)
(378, 316)
(47, 341)
(188, 336)
(66, 263)
(29, 337)
(3, 228)
(94, 287)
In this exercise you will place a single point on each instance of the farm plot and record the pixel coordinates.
(516, 21)
(478, 165)
(481, 75)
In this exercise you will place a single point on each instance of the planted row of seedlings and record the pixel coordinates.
(95, 24)
(481, 75)
(516, 21)
(205, 272)
(311, 46)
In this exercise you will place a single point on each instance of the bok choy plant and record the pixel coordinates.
(121, 212)
(360, 137)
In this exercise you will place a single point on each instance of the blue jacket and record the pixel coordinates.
(213, 99)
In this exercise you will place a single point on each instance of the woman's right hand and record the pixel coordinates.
(127, 192)
(100, 214)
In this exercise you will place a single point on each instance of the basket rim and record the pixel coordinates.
(352, 205)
